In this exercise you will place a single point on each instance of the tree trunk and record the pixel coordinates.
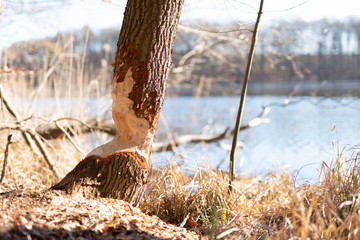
(119, 168)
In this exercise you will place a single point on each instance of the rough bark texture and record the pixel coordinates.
(146, 47)
(121, 176)
(119, 169)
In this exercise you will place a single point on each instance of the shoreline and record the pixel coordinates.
(336, 88)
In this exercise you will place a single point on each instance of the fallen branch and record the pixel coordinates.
(51, 132)
(192, 138)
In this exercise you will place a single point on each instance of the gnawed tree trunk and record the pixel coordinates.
(119, 169)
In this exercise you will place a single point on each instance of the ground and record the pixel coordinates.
(54, 215)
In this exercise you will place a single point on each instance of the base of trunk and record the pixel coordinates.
(122, 176)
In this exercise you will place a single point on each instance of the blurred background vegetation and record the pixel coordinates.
(288, 52)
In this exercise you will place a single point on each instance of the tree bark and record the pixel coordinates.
(119, 169)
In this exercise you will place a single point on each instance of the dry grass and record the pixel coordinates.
(259, 208)
(27, 170)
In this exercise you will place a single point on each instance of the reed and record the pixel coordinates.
(273, 207)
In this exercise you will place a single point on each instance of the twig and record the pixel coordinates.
(41, 86)
(70, 138)
(196, 52)
(6, 155)
(208, 33)
(13, 113)
(45, 153)
(82, 64)
(243, 96)
(227, 232)
(170, 145)
(37, 140)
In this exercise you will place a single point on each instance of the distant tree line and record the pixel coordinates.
(321, 50)
(287, 50)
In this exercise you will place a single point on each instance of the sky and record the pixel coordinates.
(33, 19)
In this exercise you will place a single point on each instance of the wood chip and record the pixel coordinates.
(45, 214)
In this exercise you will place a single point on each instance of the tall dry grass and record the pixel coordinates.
(58, 85)
(273, 207)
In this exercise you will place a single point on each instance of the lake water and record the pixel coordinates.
(299, 137)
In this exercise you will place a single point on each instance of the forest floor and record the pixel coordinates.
(53, 215)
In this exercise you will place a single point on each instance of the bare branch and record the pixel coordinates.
(209, 34)
(6, 155)
(243, 96)
(198, 51)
